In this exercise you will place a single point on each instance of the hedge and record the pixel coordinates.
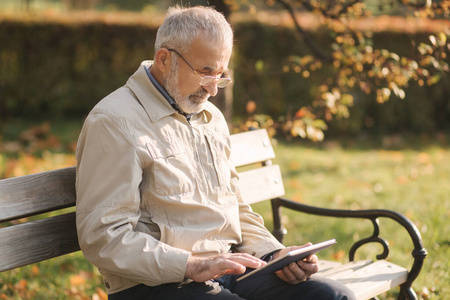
(60, 67)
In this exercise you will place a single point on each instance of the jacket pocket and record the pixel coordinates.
(172, 170)
(218, 146)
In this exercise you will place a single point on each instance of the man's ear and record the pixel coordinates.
(162, 61)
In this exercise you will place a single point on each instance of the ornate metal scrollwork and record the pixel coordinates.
(372, 239)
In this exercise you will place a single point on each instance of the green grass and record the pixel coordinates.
(410, 176)
(412, 180)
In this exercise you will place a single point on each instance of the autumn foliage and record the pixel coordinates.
(352, 61)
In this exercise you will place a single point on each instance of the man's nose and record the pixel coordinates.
(211, 88)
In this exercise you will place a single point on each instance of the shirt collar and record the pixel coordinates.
(166, 95)
(153, 99)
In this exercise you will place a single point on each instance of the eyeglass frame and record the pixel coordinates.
(226, 80)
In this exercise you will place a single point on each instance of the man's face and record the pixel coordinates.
(183, 84)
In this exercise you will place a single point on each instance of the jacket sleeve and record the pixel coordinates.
(109, 173)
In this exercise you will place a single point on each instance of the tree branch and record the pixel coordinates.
(311, 45)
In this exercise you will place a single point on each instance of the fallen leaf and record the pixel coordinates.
(21, 285)
(77, 280)
(102, 294)
(423, 158)
(35, 270)
(339, 255)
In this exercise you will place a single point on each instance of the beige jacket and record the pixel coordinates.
(153, 189)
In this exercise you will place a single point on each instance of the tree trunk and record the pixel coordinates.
(224, 98)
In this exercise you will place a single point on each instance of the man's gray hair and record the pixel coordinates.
(183, 25)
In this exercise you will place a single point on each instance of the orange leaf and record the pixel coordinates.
(402, 179)
(102, 294)
(423, 158)
(21, 285)
(250, 107)
(77, 280)
(35, 270)
(339, 255)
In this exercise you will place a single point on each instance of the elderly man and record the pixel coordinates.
(158, 208)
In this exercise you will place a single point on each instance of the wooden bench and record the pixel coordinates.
(49, 237)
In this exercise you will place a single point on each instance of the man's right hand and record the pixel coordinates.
(201, 269)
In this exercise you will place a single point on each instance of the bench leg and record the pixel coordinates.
(278, 229)
(406, 292)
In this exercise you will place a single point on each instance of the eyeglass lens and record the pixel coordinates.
(221, 82)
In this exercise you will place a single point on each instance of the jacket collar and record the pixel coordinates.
(153, 101)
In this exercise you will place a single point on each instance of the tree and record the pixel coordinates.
(354, 62)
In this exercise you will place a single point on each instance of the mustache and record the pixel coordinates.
(201, 93)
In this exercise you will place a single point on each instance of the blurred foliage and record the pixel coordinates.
(60, 65)
(265, 77)
(67, 277)
(347, 54)
(28, 148)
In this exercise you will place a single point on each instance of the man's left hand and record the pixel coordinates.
(299, 271)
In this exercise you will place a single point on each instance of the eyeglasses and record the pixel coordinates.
(222, 80)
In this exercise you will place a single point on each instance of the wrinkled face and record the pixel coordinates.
(183, 84)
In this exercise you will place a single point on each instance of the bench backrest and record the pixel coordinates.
(31, 195)
(263, 181)
(28, 196)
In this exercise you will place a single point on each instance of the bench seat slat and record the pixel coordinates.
(367, 279)
(346, 268)
(325, 265)
(39, 240)
(34, 194)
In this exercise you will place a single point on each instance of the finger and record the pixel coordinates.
(312, 259)
(307, 267)
(246, 260)
(231, 268)
(287, 275)
(293, 272)
(288, 249)
(298, 272)
(225, 267)
(235, 264)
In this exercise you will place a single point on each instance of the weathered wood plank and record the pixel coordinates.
(251, 147)
(261, 184)
(347, 268)
(326, 265)
(37, 193)
(35, 241)
(366, 279)
(375, 279)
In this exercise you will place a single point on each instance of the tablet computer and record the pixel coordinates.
(286, 259)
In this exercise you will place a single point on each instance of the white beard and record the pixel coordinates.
(191, 104)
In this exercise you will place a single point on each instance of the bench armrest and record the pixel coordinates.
(419, 253)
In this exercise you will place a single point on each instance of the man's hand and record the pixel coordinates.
(201, 269)
(299, 271)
